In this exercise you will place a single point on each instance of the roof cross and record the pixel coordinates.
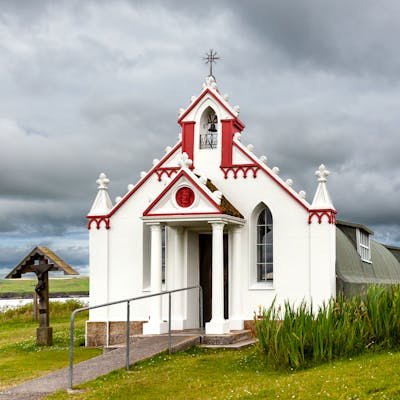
(210, 58)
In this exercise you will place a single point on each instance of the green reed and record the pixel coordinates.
(296, 336)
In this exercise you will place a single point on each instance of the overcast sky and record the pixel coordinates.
(95, 86)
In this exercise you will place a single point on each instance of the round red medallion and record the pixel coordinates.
(184, 197)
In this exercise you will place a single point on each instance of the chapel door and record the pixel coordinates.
(205, 263)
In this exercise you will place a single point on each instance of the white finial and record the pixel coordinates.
(102, 203)
(185, 161)
(181, 111)
(217, 196)
(155, 161)
(322, 199)
(168, 149)
(276, 170)
(192, 99)
(237, 136)
(130, 187)
(322, 173)
(263, 159)
(289, 182)
(250, 147)
(226, 97)
(118, 199)
(203, 179)
(237, 109)
(102, 181)
(302, 194)
(143, 174)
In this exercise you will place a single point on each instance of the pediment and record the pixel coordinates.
(185, 194)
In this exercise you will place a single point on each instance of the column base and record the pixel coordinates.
(155, 327)
(236, 324)
(217, 327)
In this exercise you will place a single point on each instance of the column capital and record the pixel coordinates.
(154, 225)
(217, 224)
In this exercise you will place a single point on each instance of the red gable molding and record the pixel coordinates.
(262, 167)
(171, 184)
(238, 122)
(106, 218)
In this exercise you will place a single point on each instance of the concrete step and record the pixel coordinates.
(235, 346)
(227, 338)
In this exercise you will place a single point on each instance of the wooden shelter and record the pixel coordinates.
(41, 260)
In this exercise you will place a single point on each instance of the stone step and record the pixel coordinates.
(234, 346)
(227, 338)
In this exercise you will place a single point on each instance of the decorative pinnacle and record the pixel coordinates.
(103, 181)
(322, 173)
(210, 58)
(185, 161)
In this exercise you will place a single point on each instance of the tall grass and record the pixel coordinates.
(298, 336)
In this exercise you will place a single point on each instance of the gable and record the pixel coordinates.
(184, 196)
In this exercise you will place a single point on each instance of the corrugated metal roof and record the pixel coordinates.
(384, 269)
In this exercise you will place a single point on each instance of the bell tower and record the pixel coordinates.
(209, 125)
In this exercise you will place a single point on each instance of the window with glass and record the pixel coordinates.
(265, 266)
(364, 247)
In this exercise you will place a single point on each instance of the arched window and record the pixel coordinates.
(265, 265)
(209, 129)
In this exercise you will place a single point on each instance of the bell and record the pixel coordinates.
(212, 128)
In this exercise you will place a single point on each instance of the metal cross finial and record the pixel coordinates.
(210, 58)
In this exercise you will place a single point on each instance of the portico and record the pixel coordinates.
(185, 270)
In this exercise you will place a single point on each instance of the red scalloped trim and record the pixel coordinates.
(244, 168)
(167, 171)
(330, 214)
(98, 221)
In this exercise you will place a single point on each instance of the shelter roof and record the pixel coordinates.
(27, 264)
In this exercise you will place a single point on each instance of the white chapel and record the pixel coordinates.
(212, 213)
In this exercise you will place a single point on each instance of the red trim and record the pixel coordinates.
(194, 104)
(329, 213)
(139, 184)
(194, 183)
(262, 167)
(166, 170)
(98, 220)
(245, 168)
(227, 142)
(184, 214)
(188, 139)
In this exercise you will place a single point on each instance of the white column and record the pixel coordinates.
(236, 319)
(155, 324)
(179, 298)
(218, 324)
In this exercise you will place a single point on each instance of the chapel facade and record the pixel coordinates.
(210, 212)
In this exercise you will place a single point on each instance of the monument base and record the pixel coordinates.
(44, 336)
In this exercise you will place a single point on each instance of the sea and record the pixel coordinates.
(6, 304)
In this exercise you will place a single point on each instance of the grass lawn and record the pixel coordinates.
(24, 287)
(230, 374)
(22, 360)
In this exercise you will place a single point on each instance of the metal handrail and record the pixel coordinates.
(128, 301)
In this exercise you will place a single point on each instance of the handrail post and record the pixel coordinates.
(169, 323)
(72, 323)
(71, 348)
(200, 307)
(128, 328)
